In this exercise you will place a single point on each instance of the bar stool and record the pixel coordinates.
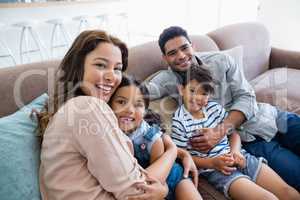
(83, 22)
(5, 52)
(27, 32)
(62, 39)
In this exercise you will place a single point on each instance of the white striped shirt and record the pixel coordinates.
(184, 126)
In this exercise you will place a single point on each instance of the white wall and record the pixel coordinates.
(282, 18)
(40, 14)
(147, 18)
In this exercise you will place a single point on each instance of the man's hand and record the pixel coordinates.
(206, 138)
(189, 166)
(224, 163)
(239, 159)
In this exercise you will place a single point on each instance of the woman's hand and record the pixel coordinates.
(239, 159)
(224, 163)
(153, 190)
(189, 166)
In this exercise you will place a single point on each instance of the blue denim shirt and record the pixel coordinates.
(142, 139)
(232, 90)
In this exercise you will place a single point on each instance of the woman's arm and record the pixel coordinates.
(97, 138)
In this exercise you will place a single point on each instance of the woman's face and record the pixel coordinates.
(102, 71)
(129, 107)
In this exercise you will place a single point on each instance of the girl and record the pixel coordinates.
(130, 105)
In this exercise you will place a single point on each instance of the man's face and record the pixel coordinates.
(178, 53)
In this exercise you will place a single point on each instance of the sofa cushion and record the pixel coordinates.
(279, 87)
(20, 153)
(255, 39)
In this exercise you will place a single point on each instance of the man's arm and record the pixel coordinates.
(161, 84)
(243, 96)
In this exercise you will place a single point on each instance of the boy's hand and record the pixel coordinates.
(239, 159)
(224, 163)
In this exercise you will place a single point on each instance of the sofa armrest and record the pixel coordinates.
(284, 58)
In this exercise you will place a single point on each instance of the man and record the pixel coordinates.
(265, 130)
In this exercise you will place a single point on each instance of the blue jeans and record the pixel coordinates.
(174, 178)
(283, 151)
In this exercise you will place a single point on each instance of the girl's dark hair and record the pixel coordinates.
(201, 74)
(150, 117)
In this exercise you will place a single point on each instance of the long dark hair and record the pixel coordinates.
(150, 116)
(70, 72)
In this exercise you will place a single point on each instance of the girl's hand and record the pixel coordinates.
(224, 163)
(153, 190)
(189, 167)
(239, 159)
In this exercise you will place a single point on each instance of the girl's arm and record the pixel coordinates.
(189, 166)
(157, 150)
(162, 161)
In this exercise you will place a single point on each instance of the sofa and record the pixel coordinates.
(273, 72)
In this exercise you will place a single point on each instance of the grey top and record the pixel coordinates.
(232, 90)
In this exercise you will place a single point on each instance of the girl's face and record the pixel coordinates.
(194, 97)
(102, 71)
(129, 107)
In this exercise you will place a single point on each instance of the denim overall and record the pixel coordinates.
(143, 139)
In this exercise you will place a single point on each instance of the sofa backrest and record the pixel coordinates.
(255, 39)
(21, 84)
(146, 59)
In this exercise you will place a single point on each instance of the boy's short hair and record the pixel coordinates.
(201, 74)
(170, 33)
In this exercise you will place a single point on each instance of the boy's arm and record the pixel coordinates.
(223, 163)
(235, 148)
(235, 142)
(206, 163)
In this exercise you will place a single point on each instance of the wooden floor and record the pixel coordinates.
(208, 192)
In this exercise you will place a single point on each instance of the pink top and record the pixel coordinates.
(85, 156)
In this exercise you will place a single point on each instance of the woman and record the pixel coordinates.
(84, 154)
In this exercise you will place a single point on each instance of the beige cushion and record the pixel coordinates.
(279, 87)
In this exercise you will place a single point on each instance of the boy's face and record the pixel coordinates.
(194, 97)
(129, 107)
(179, 53)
